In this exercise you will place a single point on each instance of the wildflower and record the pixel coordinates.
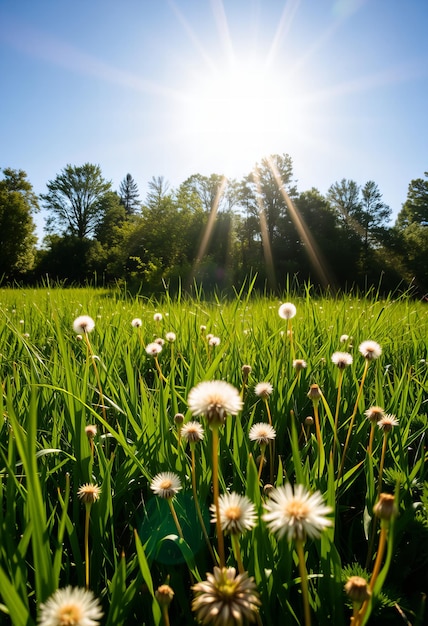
(262, 433)
(164, 595)
(343, 338)
(374, 414)
(246, 369)
(79, 338)
(171, 337)
(309, 421)
(71, 606)
(202, 328)
(314, 393)
(341, 359)
(91, 431)
(136, 322)
(237, 513)
(160, 341)
(299, 364)
(214, 341)
(263, 390)
(357, 589)
(178, 419)
(225, 598)
(166, 485)
(157, 317)
(209, 337)
(370, 350)
(89, 493)
(287, 311)
(192, 432)
(385, 508)
(297, 514)
(387, 422)
(153, 349)
(83, 324)
(215, 400)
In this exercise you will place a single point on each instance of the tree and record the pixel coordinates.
(375, 214)
(344, 198)
(17, 239)
(415, 209)
(129, 195)
(74, 200)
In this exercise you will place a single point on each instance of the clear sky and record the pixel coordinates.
(177, 87)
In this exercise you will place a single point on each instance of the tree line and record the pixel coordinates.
(212, 231)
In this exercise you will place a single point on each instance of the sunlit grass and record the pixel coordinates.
(54, 387)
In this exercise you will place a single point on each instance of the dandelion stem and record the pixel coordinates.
(161, 376)
(220, 538)
(175, 518)
(87, 518)
(198, 508)
(370, 446)
(336, 415)
(303, 581)
(382, 462)
(237, 552)
(376, 569)
(262, 459)
(290, 335)
(97, 375)
(351, 423)
(165, 616)
(317, 424)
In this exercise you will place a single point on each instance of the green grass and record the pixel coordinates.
(51, 391)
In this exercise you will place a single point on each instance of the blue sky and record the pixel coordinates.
(173, 88)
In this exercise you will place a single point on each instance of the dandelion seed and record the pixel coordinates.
(136, 322)
(153, 349)
(70, 607)
(237, 513)
(89, 493)
(171, 337)
(387, 422)
(192, 432)
(263, 390)
(370, 350)
(215, 400)
(296, 513)
(341, 359)
(226, 599)
(287, 311)
(262, 433)
(83, 324)
(157, 317)
(166, 485)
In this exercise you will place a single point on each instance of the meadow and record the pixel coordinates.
(106, 488)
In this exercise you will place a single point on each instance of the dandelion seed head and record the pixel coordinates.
(263, 390)
(214, 341)
(374, 414)
(164, 595)
(157, 317)
(262, 433)
(70, 607)
(83, 324)
(192, 432)
(237, 513)
(136, 322)
(89, 493)
(226, 599)
(343, 338)
(387, 422)
(296, 513)
(91, 430)
(299, 364)
(287, 310)
(166, 485)
(357, 589)
(341, 359)
(314, 393)
(385, 508)
(246, 369)
(153, 348)
(171, 337)
(215, 400)
(370, 350)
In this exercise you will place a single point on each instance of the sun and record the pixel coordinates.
(241, 110)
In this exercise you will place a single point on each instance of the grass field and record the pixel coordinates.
(91, 418)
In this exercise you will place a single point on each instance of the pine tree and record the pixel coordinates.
(129, 195)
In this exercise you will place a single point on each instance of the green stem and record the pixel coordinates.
(220, 538)
(262, 459)
(376, 569)
(336, 415)
(87, 518)
(382, 462)
(175, 518)
(237, 552)
(304, 581)
(97, 375)
(198, 508)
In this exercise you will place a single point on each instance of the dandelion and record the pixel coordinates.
(192, 432)
(299, 365)
(71, 606)
(153, 348)
(296, 513)
(214, 341)
(287, 310)
(263, 390)
(136, 322)
(385, 508)
(387, 422)
(166, 485)
(160, 341)
(91, 431)
(314, 394)
(226, 599)
(83, 324)
(157, 317)
(237, 513)
(343, 338)
(215, 400)
(164, 595)
(370, 350)
(246, 371)
(341, 359)
(89, 493)
(374, 414)
(358, 591)
(262, 433)
(171, 337)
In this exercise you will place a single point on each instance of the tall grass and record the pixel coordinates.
(51, 392)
